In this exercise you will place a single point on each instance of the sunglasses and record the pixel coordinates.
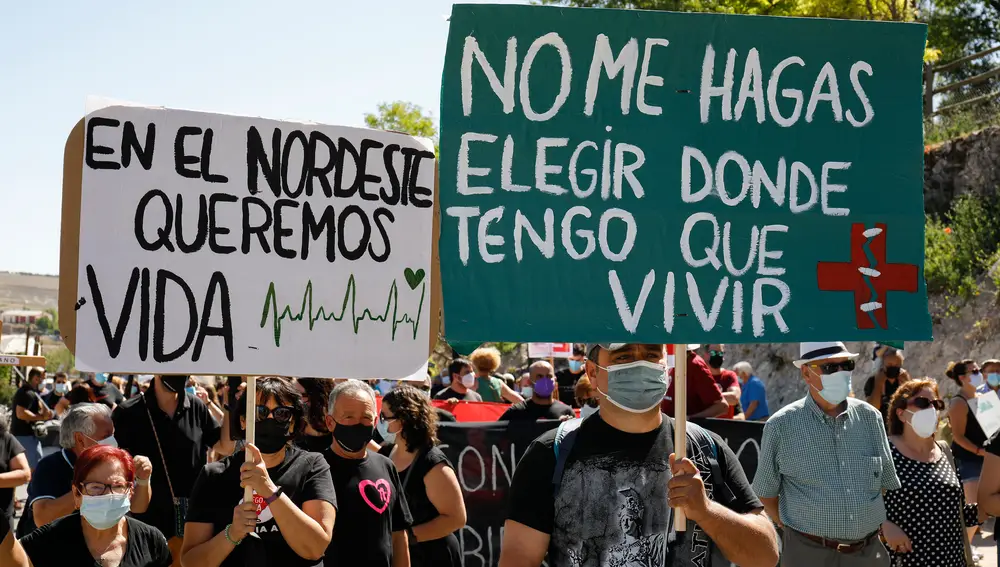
(832, 367)
(716, 353)
(282, 414)
(924, 403)
(383, 417)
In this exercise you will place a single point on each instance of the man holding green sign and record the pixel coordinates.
(650, 178)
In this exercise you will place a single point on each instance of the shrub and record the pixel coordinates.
(962, 246)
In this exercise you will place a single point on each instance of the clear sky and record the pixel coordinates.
(326, 61)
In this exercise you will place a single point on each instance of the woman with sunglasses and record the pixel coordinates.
(315, 394)
(293, 508)
(99, 532)
(927, 516)
(408, 423)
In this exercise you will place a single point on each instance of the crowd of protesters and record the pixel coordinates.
(147, 471)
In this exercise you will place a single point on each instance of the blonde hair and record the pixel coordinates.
(485, 360)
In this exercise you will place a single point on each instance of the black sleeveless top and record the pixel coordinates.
(974, 433)
(444, 552)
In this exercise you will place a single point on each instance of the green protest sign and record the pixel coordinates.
(663, 177)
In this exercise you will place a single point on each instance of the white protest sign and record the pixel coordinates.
(986, 408)
(550, 350)
(216, 244)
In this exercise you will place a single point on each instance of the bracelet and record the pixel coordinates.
(229, 539)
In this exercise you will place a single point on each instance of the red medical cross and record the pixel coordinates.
(844, 276)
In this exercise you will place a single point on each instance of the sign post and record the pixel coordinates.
(680, 418)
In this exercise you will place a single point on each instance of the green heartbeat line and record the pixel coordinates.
(315, 315)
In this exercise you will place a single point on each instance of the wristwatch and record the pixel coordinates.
(277, 494)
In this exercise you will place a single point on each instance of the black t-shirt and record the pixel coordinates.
(303, 476)
(61, 543)
(52, 398)
(890, 388)
(9, 448)
(185, 437)
(28, 398)
(994, 448)
(108, 394)
(314, 443)
(371, 507)
(528, 410)
(468, 396)
(567, 385)
(52, 478)
(612, 503)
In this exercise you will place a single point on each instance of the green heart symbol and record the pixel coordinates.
(413, 278)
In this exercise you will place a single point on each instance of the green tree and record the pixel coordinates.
(404, 117)
(893, 10)
(54, 313)
(43, 325)
(60, 360)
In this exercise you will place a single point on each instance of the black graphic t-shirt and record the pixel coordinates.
(612, 504)
(372, 507)
(528, 410)
(61, 543)
(303, 476)
(9, 448)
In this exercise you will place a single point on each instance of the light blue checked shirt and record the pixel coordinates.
(828, 473)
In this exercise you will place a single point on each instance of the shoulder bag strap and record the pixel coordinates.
(961, 509)
(163, 459)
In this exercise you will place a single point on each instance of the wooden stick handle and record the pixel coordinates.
(680, 418)
(250, 398)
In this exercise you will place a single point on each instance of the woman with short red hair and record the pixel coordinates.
(99, 532)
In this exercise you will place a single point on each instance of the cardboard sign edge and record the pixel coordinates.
(69, 237)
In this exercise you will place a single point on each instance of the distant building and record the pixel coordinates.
(22, 316)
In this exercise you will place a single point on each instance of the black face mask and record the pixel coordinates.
(715, 361)
(353, 438)
(892, 371)
(271, 436)
(174, 383)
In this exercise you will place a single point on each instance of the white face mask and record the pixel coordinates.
(527, 391)
(976, 379)
(836, 386)
(469, 380)
(924, 422)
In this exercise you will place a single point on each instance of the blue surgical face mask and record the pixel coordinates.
(636, 387)
(383, 430)
(446, 380)
(836, 386)
(575, 365)
(100, 378)
(104, 512)
(191, 390)
(62, 387)
(993, 379)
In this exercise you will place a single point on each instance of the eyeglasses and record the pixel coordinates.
(383, 417)
(924, 403)
(100, 489)
(832, 367)
(282, 414)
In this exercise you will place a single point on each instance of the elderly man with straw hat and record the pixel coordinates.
(823, 467)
